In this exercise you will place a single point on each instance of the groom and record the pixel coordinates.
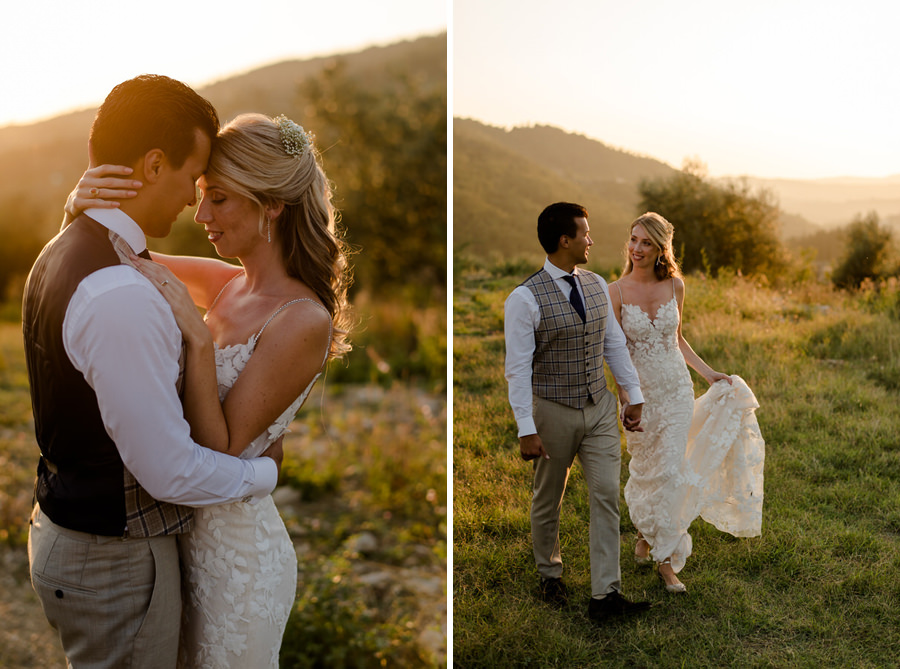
(118, 469)
(558, 332)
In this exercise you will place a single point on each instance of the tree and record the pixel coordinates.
(384, 147)
(717, 226)
(868, 251)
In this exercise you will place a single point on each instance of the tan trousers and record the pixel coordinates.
(114, 602)
(592, 434)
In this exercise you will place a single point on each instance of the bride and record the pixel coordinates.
(694, 458)
(270, 327)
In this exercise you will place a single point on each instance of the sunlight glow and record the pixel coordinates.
(779, 89)
(59, 55)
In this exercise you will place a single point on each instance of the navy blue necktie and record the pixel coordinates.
(575, 296)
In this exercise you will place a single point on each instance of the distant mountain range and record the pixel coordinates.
(503, 178)
(836, 201)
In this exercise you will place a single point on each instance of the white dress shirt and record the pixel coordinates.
(522, 317)
(120, 333)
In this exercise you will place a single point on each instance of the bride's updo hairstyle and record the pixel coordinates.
(272, 161)
(660, 232)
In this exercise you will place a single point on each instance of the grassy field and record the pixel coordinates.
(363, 494)
(820, 587)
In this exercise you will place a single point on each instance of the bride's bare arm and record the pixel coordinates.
(200, 394)
(690, 356)
(286, 359)
(104, 187)
(100, 187)
(203, 277)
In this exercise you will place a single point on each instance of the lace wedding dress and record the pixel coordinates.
(700, 457)
(239, 567)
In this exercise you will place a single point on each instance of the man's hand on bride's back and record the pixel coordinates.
(276, 452)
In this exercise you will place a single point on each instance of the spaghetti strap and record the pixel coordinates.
(285, 306)
(621, 297)
(227, 283)
(673, 286)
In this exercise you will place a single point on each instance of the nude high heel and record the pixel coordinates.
(677, 588)
(643, 561)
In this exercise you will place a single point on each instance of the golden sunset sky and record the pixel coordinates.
(59, 55)
(771, 88)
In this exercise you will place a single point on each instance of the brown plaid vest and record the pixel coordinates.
(82, 483)
(568, 357)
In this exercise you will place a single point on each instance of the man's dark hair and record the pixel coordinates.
(557, 220)
(150, 112)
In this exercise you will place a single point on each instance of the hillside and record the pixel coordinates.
(380, 120)
(503, 178)
(40, 162)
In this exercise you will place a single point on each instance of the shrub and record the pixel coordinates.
(331, 626)
(718, 227)
(868, 252)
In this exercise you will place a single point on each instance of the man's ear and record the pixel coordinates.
(564, 242)
(152, 165)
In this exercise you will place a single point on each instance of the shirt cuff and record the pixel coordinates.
(266, 475)
(634, 395)
(526, 426)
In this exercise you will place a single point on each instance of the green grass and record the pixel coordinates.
(820, 587)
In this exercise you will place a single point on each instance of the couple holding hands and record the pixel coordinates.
(689, 458)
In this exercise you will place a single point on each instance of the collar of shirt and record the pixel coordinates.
(556, 272)
(122, 224)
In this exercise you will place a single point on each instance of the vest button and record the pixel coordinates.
(59, 594)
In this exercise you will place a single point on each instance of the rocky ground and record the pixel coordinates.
(418, 584)
(382, 561)
(27, 641)
(404, 580)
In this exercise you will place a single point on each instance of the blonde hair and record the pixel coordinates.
(249, 158)
(660, 232)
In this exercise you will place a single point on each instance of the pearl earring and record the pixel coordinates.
(269, 230)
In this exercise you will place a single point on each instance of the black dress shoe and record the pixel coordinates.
(553, 590)
(614, 604)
